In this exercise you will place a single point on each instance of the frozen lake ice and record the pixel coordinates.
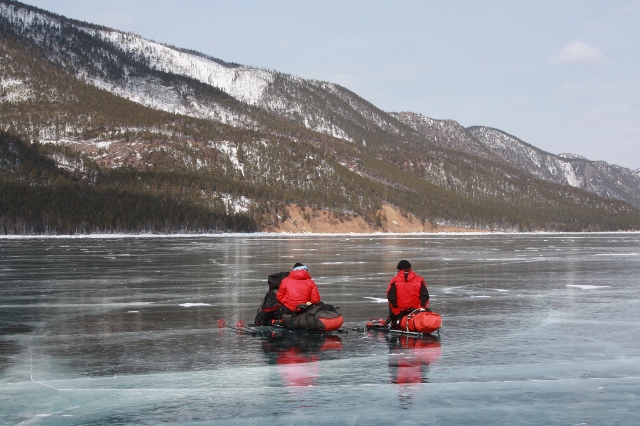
(538, 329)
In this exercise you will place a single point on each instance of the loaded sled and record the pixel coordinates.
(411, 321)
(319, 318)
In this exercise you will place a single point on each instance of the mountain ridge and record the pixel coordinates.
(103, 103)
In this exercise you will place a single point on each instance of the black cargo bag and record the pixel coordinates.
(320, 318)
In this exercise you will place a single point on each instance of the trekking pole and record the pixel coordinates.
(222, 324)
(240, 324)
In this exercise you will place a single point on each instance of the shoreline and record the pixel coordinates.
(310, 234)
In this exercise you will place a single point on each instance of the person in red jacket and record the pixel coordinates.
(298, 288)
(406, 291)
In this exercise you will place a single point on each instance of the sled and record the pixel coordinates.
(418, 322)
(318, 318)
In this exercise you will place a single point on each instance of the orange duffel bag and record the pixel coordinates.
(420, 321)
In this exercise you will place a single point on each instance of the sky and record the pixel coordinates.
(562, 75)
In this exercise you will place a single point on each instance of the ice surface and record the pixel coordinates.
(124, 330)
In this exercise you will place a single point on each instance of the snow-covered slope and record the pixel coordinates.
(112, 60)
(188, 83)
(243, 83)
(599, 177)
(445, 133)
(109, 60)
(541, 164)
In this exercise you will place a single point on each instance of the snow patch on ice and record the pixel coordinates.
(587, 286)
(377, 299)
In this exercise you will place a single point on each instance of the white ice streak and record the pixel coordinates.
(587, 286)
(377, 299)
(189, 305)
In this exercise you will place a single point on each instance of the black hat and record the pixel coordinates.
(404, 264)
(298, 264)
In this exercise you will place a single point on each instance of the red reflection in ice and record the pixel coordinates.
(297, 356)
(409, 360)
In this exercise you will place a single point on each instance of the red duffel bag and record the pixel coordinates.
(421, 321)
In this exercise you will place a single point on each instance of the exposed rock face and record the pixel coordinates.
(303, 220)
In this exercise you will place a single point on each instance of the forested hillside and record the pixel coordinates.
(100, 135)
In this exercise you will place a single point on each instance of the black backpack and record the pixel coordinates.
(269, 309)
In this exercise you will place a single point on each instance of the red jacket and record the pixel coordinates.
(407, 290)
(296, 289)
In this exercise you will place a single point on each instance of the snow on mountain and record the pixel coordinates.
(320, 106)
(231, 150)
(188, 83)
(13, 90)
(566, 169)
(527, 157)
(445, 133)
(570, 156)
(153, 93)
(365, 109)
(243, 83)
(22, 18)
(599, 177)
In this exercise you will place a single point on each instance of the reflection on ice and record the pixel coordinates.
(297, 355)
(409, 360)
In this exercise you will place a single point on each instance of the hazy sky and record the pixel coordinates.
(562, 75)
